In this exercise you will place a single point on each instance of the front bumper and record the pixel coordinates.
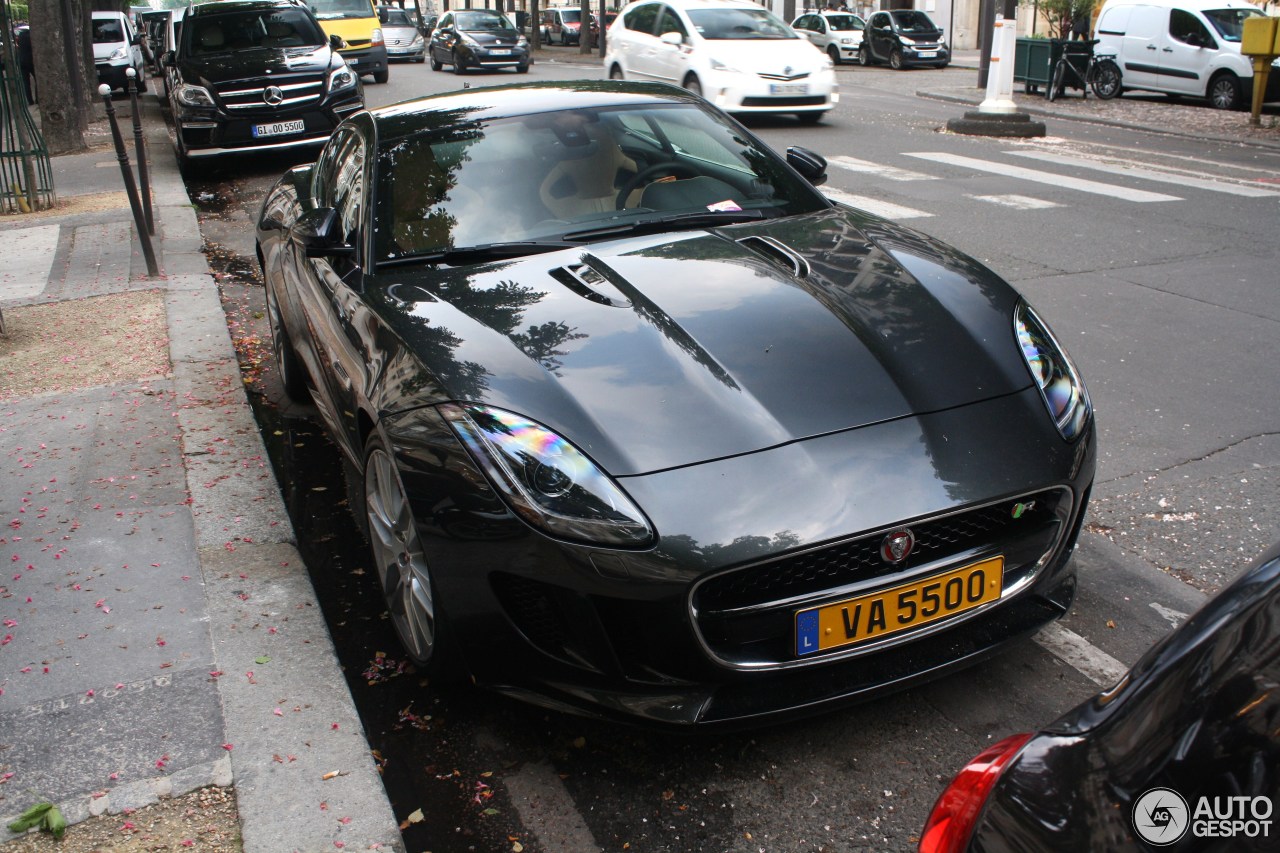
(211, 132)
(473, 56)
(750, 93)
(637, 635)
(406, 51)
(113, 75)
(923, 55)
(367, 60)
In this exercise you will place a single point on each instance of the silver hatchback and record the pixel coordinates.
(402, 36)
(837, 34)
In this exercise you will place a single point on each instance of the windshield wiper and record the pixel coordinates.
(480, 254)
(668, 223)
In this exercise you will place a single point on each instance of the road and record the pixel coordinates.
(1153, 257)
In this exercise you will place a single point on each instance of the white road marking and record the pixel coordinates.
(1173, 617)
(1018, 202)
(853, 164)
(1078, 653)
(873, 205)
(1063, 181)
(1180, 178)
(26, 257)
(547, 810)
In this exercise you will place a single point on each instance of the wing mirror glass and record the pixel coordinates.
(317, 231)
(811, 166)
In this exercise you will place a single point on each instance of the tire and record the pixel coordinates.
(381, 76)
(522, 69)
(403, 573)
(436, 65)
(1106, 80)
(834, 53)
(895, 59)
(288, 365)
(692, 84)
(1058, 83)
(864, 56)
(615, 73)
(419, 59)
(811, 117)
(1224, 91)
(457, 64)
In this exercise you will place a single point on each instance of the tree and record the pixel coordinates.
(1059, 14)
(57, 40)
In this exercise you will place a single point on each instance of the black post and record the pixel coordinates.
(127, 173)
(139, 146)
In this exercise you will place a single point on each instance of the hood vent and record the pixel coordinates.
(777, 251)
(590, 280)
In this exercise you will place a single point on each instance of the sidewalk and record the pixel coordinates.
(160, 633)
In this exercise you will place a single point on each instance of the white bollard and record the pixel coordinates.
(1000, 74)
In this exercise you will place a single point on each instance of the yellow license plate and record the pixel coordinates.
(899, 608)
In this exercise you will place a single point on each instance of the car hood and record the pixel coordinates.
(255, 64)
(406, 33)
(765, 56)
(103, 50)
(492, 36)
(652, 353)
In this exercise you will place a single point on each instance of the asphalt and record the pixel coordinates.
(160, 632)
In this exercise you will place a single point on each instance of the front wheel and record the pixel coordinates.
(1224, 91)
(810, 117)
(864, 57)
(834, 53)
(1058, 83)
(381, 76)
(691, 84)
(1106, 80)
(895, 59)
(457, 64)
(615, 73)
(288, 365)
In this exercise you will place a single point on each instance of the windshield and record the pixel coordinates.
(571, 16)
(332, 10)
(474, 21)
(269, 28)
(396, 18)
(913, 22)
(843, 23)
(728, 24)
(564, 175)
(106, 31)
(1230, 22)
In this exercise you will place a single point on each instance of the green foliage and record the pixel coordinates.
(18, 11)
(44, 815)
(1060, 13)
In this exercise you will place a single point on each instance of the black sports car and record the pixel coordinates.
(647, 427)
(1182, 754)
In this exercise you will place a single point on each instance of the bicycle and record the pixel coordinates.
(1101, 73)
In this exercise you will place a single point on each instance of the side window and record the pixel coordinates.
(446, 21)
(818, 24)
(671, 23)
(880, 21)
(349, 198)
(1186, 27)
(642, 19)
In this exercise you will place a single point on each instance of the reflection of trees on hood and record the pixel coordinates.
(744, 549)
(542, 343)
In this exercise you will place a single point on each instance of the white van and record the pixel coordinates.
(1183, 47)
(117, 47)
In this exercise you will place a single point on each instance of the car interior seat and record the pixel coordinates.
(586, 175)
(282, 34)
(211, 37)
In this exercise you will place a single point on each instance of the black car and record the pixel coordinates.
(1182, 754)
(477, 39)
(903, 38)
(642, 425)
(256, 74)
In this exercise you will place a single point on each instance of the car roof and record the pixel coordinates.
(435, 112)
(240, 5)
(709, 4)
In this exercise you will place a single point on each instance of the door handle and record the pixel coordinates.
(342, 376)
(1151, 47)
(1167, 49)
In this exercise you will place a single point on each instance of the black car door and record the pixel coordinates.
(878, 34)
(441, 44)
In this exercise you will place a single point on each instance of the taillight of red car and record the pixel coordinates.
(954, 815)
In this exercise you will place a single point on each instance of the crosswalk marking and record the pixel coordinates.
(1018, 202)
(1064, 181)
(889, 173)
(874, 205)
(1181, 179)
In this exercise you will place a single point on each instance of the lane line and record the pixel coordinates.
(1017, 202)
(1081, 655)
(874, 205)
(1064, 181)
(1149, 174)
(890, 173)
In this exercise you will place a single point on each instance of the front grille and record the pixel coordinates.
(746, 615)
(783, 77)
(803, 101)
(244, 96)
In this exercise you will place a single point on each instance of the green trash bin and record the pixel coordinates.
(1033, 60)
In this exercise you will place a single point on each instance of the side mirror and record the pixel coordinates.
(317, 232)
(336, 42)
(674, 39)
(811, 166)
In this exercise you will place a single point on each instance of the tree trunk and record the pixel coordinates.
(584, 28)
(62, 121)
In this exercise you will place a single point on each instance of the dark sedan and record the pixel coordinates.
(477, 40)
(645, 426)
(1182, 754)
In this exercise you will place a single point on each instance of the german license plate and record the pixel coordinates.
(279, 128)
(788, 88)
(899, 608)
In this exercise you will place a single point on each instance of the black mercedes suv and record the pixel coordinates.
(254, 75)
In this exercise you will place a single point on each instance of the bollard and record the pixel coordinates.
(144, 177)
(127, 173)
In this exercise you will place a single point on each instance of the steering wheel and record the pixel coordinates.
(645, 175)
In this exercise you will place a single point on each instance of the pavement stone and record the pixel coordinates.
(151, 563)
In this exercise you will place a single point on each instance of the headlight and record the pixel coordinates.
(466, 39)
(375, 38)
(194, 96)
(717, 65)
(417, 40)
(118, 54)
(1059, 381)
(521, 41)
(846, 41)
(906, 42)
(341, 78)
(546, 480)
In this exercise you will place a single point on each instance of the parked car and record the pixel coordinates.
(356, 23)
(903, 38)
(249, 75)
(737, 54)
(1136, 767)
(1183, 47)
(117, 47)
(562, 25)
(837, 34)
(641, 425)
(402, 34)
(478, 39)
